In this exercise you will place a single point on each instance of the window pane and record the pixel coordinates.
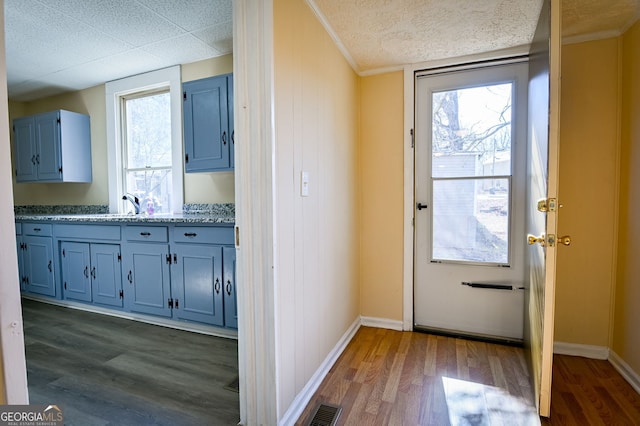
(148, 131)
(152, 187)
(471, 131)
(471, 220)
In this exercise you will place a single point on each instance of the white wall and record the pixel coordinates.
(317, 237)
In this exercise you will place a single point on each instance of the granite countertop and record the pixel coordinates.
(195, 214)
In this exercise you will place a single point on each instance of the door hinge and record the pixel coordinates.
(170, 303)
(186, 158)
(58, 120)
(184, 95)
(175, 258)
(65, 285)
(64, 253)
(168, 258)
(59, 169)
(121, 294)
(413, 139)
(119, 257)
(176, 303)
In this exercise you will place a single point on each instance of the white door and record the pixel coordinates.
(470, 196)
(543, 139)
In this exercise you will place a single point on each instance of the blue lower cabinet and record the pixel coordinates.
(76, 278)
(37, 258)
(196, 283)
(106, 275)
(91, 272)
(146, 280)
(230, 301)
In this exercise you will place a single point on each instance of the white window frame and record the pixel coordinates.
(115, 90)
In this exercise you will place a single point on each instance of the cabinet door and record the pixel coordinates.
(206, 125)
(197, 283)
(38, 265)
(230, 301)
(24, 140)
(106, 274)
(146, 278)
(49, 154)
(75, 261)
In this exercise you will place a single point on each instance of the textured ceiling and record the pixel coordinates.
(388, 33)
(55, 46)
(61, 45)
(605, 17)
(379, 34)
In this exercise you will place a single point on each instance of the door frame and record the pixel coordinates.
(409, 165)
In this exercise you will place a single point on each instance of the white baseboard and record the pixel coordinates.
(625, 370)
(587, 351)
(304, 396)
(382, 323)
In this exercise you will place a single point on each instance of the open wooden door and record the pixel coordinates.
(542, 205)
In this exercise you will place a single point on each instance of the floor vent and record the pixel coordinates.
(326, 415)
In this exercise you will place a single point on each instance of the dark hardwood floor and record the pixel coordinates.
(387, 377)
(111, 371)
(590, 392)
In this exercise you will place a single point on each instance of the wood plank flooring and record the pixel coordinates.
(387, 377)
(112, 371)
(590, 392)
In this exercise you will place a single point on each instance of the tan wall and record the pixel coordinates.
(316, 241)
(589, 144)
(198, 187)
(626, 336)
(381, 183)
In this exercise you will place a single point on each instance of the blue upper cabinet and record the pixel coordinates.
(208, 124)
(53, 147)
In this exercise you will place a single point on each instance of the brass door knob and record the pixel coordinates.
(532, 239)
(566, 240)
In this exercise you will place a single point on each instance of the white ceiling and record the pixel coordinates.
(55, 46)
(61, 45)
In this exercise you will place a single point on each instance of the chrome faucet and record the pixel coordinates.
(134, 200)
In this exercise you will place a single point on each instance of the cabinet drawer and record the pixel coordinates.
(156, 234)
(43, 229)
(18, 229)
(88, 232)
(203, 235)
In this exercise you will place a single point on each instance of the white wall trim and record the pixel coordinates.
(625, 370)
(114, 91)
(304, 396)
(408, 199)
(575, 349)
(334, 36)
(382, 323)
(254, 197)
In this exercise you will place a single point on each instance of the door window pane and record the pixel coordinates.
(471, 220)
(471, 174)
(471, 131)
